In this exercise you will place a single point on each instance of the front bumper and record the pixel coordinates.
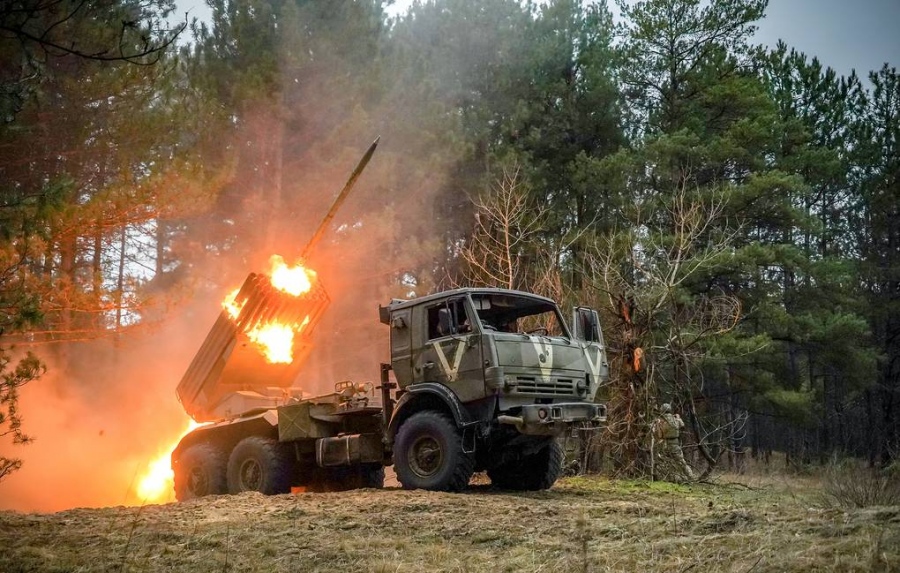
(554, 419)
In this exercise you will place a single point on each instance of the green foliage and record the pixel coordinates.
(733, 237)
(796, 405)
(676, 53)
(26, 369)
(38, 34)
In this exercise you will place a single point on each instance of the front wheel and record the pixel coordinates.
(428, 454)
(200, 471)
(259, 464)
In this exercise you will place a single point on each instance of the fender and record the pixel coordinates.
(436, 395)
(227, 433)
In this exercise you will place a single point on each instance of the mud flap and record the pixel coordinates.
(469, 435)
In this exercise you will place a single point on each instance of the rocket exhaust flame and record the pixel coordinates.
(294, 280)
(275, 338)
(259, 342)
(270, 312)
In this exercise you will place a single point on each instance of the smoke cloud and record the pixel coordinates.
(95, 434)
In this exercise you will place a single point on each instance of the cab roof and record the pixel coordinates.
(397, 304)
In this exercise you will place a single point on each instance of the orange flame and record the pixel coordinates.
(294, 280)
(276, 339)
(232, 307)
(157, 484)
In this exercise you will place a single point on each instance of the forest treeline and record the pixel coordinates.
(732, 209)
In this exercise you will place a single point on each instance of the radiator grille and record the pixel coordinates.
(552, 387)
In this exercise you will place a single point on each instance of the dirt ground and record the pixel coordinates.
(583, 524)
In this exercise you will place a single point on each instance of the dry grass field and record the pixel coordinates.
(737, 524)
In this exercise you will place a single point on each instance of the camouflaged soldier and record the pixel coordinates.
(667, 430)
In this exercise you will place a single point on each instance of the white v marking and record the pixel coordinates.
(452, 371)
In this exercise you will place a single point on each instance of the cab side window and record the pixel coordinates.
(448, 318)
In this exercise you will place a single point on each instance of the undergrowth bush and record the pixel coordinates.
(850, 484)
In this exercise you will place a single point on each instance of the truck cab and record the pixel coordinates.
(502, 369)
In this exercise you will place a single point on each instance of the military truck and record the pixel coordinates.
(483, 379)
(488, 379)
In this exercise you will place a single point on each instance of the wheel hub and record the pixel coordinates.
(425, 456)
(198, 483)
(251, 475)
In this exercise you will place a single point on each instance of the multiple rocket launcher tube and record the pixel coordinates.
(228, 364)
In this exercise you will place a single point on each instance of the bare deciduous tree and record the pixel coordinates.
(502, 248)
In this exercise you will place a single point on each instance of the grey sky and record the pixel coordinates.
(843, 34)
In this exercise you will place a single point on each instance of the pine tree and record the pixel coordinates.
(83, 153)
(821, 351)
(878, 237)
(699, 187)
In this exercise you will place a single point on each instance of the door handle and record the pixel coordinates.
(426, 366)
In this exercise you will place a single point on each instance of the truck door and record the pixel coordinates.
(451, 352)
(586, 325)
(586, 328)
(401, 346)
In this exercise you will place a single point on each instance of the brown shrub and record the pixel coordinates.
(850, 484)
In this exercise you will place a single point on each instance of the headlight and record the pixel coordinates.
(581, 387)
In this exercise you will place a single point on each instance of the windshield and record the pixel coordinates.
(517, 314)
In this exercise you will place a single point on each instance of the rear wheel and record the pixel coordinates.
(539, 470)
(200, 471)
(428, 454)
(260, 464)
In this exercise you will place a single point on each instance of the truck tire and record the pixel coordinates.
(539, 470)
(259, 464)
(428, 454)
(200, 471)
